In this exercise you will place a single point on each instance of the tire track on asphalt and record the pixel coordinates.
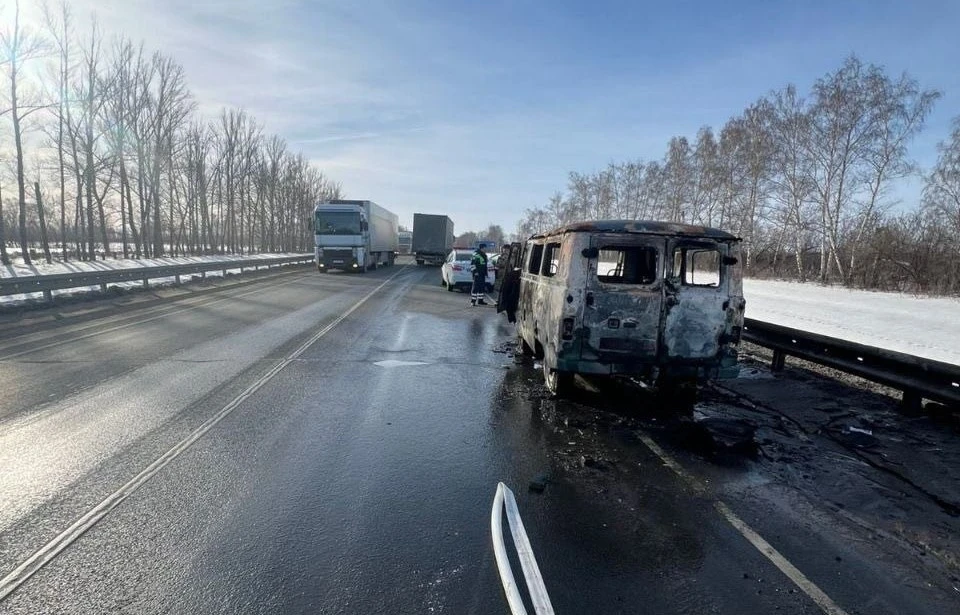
(19, 575)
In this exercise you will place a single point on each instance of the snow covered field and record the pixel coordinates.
(42, 268)
(923, 326)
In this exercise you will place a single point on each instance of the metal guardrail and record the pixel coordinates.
(916, 377)
(46, 284)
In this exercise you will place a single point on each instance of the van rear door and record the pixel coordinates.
(695, 292)
(623, 299)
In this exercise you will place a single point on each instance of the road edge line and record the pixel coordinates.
(808, 587)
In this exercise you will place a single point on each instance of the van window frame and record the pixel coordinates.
(536, 252)
(681, 250)
(551, 251)
(657, 267)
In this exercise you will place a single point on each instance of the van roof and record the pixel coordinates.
(650, 227)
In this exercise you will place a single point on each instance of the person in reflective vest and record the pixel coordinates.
(478, 266)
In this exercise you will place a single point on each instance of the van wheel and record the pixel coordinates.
(450, 287)
(559, 383)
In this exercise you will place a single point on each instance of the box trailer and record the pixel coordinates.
(432, 238)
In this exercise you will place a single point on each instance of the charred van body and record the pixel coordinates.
(655, 300)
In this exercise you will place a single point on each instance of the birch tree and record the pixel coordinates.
(19, 46)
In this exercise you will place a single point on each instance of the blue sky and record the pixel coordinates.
(480, 109)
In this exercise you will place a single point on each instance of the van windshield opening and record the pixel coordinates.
(627, 265)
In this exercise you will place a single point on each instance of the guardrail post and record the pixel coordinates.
(146, 282)
(779, 360)
(203, 275)
(176, 279)
(103, 287)
(48, 295)
(912, 402)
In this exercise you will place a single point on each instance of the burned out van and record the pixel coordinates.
(660, 301)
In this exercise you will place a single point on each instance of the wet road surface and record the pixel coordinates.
(359, 477)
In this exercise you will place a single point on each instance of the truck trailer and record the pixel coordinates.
(354, 235)
(432, 238)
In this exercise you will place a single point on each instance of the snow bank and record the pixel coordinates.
(923, 326)
(42, 268)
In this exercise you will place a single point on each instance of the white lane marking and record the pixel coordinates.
(819, 597)
(500, 554)
(806, 585)
(61, 342)
(52, 549)
(531, 571)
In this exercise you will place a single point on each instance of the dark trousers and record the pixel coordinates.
(479, 289)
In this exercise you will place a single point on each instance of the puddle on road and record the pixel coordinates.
(397, 363)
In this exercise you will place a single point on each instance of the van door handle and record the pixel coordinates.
(589, 299)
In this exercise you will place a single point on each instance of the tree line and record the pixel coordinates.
(808, 182)
(105, 147)
(493, 233)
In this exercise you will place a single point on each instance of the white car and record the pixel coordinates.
(455, 272)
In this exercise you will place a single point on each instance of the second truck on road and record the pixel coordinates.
(432, 238)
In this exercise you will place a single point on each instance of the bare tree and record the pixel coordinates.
(19, 46)
(942, 191)
(4, 257)
(41, 217)
(59, 26)
(900, 109)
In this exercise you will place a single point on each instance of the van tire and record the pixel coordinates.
(450, 287)
(560, 383)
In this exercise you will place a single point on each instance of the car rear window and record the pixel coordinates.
(464, 256)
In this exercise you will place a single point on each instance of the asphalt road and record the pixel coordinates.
(331, 444)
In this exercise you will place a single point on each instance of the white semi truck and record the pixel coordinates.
(354, 236)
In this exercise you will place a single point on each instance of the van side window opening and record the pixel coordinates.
(627, 265)
(551, 260)
(697, 266)
(536, 256)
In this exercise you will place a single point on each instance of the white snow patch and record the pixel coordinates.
(923, 326)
